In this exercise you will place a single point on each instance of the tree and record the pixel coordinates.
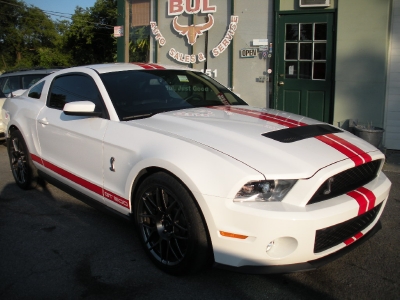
(27, 35)
(139, 45)
(90, 35)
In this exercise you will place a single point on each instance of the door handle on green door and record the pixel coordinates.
(281, 83)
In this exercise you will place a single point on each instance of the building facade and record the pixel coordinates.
(333, 60)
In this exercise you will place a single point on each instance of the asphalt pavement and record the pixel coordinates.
(392, 163)
(53, 246)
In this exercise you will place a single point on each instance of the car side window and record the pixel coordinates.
(36, 91)
(71, 88)
(30, 80)
(10, 84)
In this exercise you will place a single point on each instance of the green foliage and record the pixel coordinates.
(28, 37)
(23, 31)
(139, 44)
(90, 35)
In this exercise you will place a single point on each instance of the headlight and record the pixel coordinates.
(266, 190)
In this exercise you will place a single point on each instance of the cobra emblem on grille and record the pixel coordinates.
(328, 189)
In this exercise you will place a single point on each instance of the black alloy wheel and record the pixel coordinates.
(170, 225)
(23, 170)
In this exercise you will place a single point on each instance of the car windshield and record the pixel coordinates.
(140, 94)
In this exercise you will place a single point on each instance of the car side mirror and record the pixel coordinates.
(81, 108)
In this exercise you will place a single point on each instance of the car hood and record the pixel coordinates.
(238, 132)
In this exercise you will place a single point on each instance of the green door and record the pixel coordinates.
(304, 65)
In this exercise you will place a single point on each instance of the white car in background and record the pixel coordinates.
(205, 177)
(2, 125)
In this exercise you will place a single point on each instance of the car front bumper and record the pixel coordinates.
(292, 230)
(306, 266)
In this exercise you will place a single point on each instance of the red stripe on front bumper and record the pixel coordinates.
(370, 196)
(362, 202)
(353, 239)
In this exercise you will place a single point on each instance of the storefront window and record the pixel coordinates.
(139, 31)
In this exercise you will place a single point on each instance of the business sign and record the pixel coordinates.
(176, 8)
(260, 42)
(118, 31)
(248, 52)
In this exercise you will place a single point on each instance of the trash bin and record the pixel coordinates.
(371, 134)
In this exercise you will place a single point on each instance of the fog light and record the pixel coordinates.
(270, 245)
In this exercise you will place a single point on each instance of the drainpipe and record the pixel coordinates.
(230, 62)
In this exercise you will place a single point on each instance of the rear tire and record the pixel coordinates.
(24, 172)
(171, 228)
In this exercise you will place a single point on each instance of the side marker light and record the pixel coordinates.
(233, 235)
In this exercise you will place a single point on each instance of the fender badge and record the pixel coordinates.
(112, 161)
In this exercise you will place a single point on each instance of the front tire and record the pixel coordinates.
(170, 225)
(24, 172)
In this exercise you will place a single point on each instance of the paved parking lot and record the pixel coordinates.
(53, 246)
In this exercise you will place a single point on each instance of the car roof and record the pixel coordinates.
(115, 67)
(31, 71)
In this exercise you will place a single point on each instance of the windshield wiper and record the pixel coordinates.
(135, 117)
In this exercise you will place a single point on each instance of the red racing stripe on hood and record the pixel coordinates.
(354, 153)
(342, 149)
(365, 156)
(261, 115)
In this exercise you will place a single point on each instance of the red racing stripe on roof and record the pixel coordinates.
(149, 66)
(157, 66)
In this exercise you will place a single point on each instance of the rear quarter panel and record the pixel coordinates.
(22, 113)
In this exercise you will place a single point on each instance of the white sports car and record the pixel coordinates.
(205, 177)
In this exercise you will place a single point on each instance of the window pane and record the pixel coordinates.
(319, 70)
(291, 51)
(29, 80)
(305, 70)
(73, 88)
(306, 32)
(290, 69)
(36, 91)
(292, 32)
(320, 32)
(10, 84)
(305, 50)
(320, 51)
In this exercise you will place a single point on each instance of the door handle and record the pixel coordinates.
(43, 121)
(281, 83)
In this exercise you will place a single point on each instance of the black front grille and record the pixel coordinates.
(346, 181)
(331, 236)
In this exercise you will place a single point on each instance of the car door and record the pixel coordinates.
(305, 65)
(71, 146)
